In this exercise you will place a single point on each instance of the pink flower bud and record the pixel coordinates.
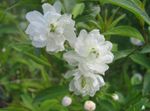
(66, 101)
(89, 106)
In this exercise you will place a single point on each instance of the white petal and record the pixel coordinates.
(108, 45)
(95, 33)
(80, 46)
(55, 43)
(37, 34)
(67, 24)
(35, 16)
(72, 58)
(70, 35)
(70, 73)
(108, 58)
(57, 6)
(39, 43)
(48, 8)
(36, 29)
(100, 80)
(51, 17)
(66, 19)
(98, 68)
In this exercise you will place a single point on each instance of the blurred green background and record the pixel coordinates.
(32, 80)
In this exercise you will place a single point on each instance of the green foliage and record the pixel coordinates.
(122, 31)
(78, 9)
(132, 5)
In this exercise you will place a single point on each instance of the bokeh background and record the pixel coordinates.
(33, 80)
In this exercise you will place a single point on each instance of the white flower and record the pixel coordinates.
(115, 97)
(66, 101)
(89, 106)
(92, 52)
(3, 49)
(84, 83)
(136, 42)
(143, 107)
(50, 29)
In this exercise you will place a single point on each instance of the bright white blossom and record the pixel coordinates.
(143, 107)
(66, 101)
(89, 106)
(115, 97)
(84, 83)
(136, 42)
(4, 49)
(50, 29)
(91, 52)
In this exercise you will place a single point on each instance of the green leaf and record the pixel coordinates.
(8, 30)
(51, 93)
(131, 6)
(146, 84)
(33, 57)
(138, 105)
(146, 49)
(116, 21)
(27, 101)
(141, 59)
(115, 47)
(122, 54)
(125, 31)
(78, 9)
(14, 108)
(52, 105)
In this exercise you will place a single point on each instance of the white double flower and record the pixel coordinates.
(91, 52)
(84, 83)
(50, 29)
(91, 55)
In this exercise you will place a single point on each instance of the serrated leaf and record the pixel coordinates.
(125, 31)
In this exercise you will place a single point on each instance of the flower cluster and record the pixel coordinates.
(50, 29)
(90, 54)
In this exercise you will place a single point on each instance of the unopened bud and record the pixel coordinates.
(136, 79)
(89, 106)
(3, 49)
(115, 97)
(66, 101)
(136, 42)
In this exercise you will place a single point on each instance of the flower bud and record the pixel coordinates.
(115, 97)
(66, 101)
(4, 49)
(136, 79)
(89, 106)
(136, 42)
(143, 107)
